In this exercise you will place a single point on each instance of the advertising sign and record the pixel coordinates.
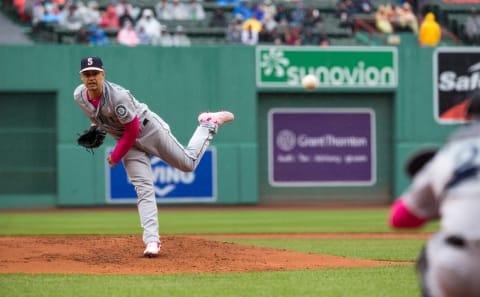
(335, 67)
(321, 147)
(456, 74)
(170, 184)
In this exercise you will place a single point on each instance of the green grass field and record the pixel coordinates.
(389, 280)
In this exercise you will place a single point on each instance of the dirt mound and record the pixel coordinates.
(180, 254)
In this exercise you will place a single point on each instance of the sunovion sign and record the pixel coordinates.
(170, 184)
(335, 67)
(321, 147)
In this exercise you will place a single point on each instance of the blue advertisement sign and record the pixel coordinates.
(321, 147)
(170, 184)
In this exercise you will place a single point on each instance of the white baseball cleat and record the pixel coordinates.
(217, 118)
(152, 249)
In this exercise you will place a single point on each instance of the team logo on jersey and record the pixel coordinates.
(121, 111)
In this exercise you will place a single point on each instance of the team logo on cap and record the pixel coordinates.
(121, 111)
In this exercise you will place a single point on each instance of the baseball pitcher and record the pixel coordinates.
(139, 133)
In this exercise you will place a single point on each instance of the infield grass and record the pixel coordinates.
(389, 280)
(199, 222)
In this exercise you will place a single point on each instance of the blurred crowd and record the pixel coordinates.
(132, 25)
(245, 22)
(267, 22)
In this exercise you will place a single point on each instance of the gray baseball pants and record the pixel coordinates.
(156, 139)
(452, 267)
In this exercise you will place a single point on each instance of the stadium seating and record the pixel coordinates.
(450, 15)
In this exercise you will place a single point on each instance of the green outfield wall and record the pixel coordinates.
(44, 167)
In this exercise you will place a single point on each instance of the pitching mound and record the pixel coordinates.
(180, 254)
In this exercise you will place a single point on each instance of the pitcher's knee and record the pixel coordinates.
(144, 190)
(188, 165)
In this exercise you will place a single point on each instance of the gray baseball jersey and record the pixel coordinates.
(449, 188)
(117, 107)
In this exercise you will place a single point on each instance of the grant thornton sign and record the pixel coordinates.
(321, 147)
(335, 67)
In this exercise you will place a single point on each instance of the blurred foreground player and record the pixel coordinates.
(447, 187)
(140, 133)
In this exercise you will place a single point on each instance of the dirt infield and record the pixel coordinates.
(180, 254)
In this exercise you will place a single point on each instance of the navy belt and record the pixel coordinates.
(456, 241)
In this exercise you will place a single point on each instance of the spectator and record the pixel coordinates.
(249, 35)
(179, 11)
(291, 35)
(253, 24)
(264, 36)
(127, 35)
(382, 21)
(234, 31)
(52, 13)
(283, 16)
(164, 10)
(97, 35)
(269, 23)
(126, 12)
(243, 9)
(430, 32)
(110, 18)
(407, 21)
(195, 11)
(347, 6)
(363, 6)
(38, 10)
(165, 38)
(269, 9)
(257, 11)
(70, 20)
(276, 36)
(309, 38)
(227, 2)
(58, 3)
(143, 37)
(180, 38)
(323, 39)
(81, 37)
(312, 18)
(298, 15)
(218, 19)
(472, 27)
(150, 25)
(345, 15)
(20, 7)
(391, 14)
(93, 15)
(81, 12)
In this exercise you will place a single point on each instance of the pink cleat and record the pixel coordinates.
(217, 118)
(152, 249)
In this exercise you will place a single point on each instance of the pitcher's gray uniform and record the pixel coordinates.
(448, 187)
(118, 107)
(112, 109)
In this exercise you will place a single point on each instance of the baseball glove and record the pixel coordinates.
(91, 138)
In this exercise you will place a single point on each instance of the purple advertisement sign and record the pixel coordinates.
(321, 147)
